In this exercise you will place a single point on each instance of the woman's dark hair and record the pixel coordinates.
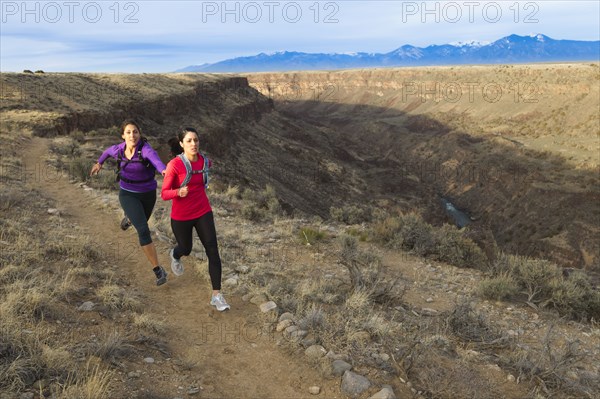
(174, 142)
(130, 122)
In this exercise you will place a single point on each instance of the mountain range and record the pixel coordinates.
(511, 49)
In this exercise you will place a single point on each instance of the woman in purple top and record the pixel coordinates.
(136, 165)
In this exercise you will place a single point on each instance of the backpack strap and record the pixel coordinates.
(205, 171)
(189, 171)
(141, 159)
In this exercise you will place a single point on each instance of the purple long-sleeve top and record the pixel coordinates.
(135, 171)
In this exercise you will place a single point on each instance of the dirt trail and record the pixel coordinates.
(232, 360)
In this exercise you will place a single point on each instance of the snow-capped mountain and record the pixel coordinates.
(509, 49)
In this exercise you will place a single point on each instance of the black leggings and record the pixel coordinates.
(138, 208)
(205, 227)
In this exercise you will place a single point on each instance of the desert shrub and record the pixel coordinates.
(350, 214)
(367, 273)
(414, 234)
(411, 233)
(544, 284)
(78, 136)
(68, 147)
(558, 365)
(453, 247)
(232, 192)
(10, 198)
(500, 287)
(318, 291)
(502, 264)
(349, 328)
(261, 205)
(354, 260)
(385, 230)
(253, 213)
(440, 377)
(79, 169)
(574, 296)
(469, 325)
(359, 234)
(104, 180)
(535, 277)
(313, 319)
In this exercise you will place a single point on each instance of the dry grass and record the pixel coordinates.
(46, 269)
(10, 199)
(110, 345)
(148, 323)
(351, 214)
(94, 384)
(21, 352)
(317, 290)
(471, 326)
(310, 236)
(118, 298)
(442, 377)
(30, 299)
(555, 369)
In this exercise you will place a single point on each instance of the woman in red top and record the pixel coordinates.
(191, 210)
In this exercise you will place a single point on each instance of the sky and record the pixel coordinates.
(163, 36)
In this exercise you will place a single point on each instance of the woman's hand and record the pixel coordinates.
(183, 192)
(163, 173)
(95, 169)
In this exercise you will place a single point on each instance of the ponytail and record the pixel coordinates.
(175, 147)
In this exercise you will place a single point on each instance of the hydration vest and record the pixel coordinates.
(122, 159)
(189, 171)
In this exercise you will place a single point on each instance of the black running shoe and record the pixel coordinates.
(125, 223)
(161, 275)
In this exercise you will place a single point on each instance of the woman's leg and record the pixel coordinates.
(138, 208)
(148, 201)
(182, 230)
(205, 227)
(150, 252)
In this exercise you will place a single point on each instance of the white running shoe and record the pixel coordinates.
(176, 264)
(219, 302)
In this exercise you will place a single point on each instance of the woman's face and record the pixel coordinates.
(190, 143)
(131, 135)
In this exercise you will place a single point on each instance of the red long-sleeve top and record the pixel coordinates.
(196, 203)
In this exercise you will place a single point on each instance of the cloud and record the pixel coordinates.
(174, 34)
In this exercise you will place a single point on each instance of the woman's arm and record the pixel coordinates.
(111, 151)
(150, 154)
(170, 188)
